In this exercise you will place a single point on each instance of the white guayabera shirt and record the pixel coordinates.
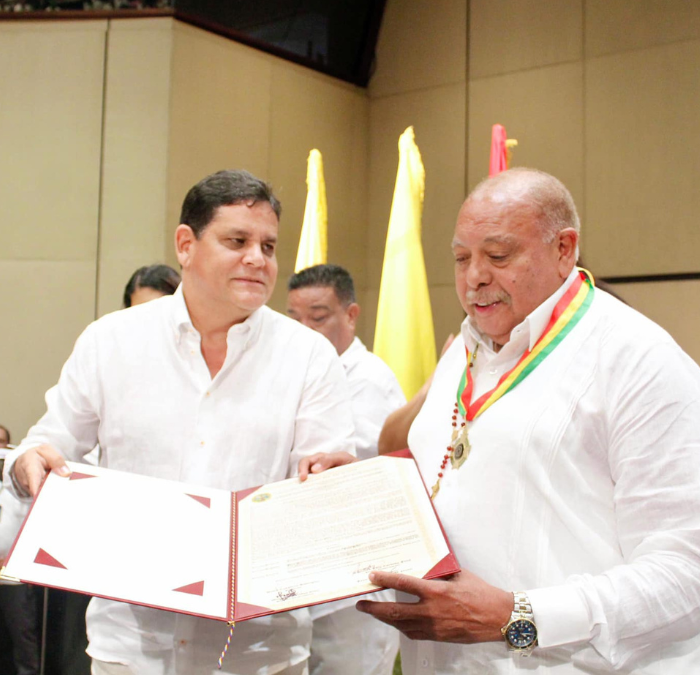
(582, 489)
(137, 384)
(374, 393)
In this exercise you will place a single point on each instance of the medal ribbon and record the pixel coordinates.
(567, 313)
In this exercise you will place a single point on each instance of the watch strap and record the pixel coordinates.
(522, 611)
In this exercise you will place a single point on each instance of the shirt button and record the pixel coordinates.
(425, 663)
(201, 442)
(493, 371)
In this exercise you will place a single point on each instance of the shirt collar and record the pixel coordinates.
(183, 323)
(529, 330)
(353, 353)
(181, 317)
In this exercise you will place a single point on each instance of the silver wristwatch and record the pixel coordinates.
(520, 633)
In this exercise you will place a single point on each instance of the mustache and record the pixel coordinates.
(487, 298)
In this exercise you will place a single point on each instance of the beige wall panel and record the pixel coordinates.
(447, 312)
(437, 116)
(50, 128)
(614, 26)
(134, 185)
(308, 111)
(642, 170)
(42, 317)
(511, 35)
(670, 304)
(368, 299)
(543, 110)
(219, 115)
(422, 43)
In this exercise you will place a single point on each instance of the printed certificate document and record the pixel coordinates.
(231, 555)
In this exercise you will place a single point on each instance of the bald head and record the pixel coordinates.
(543, 195)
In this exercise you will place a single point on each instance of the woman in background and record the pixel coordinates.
(150, 283)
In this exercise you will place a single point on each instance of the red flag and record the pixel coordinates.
(499, 152)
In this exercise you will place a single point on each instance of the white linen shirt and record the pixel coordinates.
(374, 392)
(137, 384)
(582, 489)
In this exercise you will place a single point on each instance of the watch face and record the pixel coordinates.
(521, 633)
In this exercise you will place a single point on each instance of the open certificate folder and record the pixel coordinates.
(230, 556)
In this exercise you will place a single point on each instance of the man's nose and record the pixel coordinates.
(254, 255)
(477, 273)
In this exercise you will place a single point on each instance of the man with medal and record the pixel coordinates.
(560, 438)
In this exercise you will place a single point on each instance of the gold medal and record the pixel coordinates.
(461, 449)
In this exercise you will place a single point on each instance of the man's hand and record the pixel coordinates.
(322, 461)
(463, 608)
(33, 464)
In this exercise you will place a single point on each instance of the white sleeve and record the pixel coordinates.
(632, 610)
(372, 403)
(324, 418)
(72, 416)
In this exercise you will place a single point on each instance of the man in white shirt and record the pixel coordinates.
(563, 450)
(207, 386)
(322, 297)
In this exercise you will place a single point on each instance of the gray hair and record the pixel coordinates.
(537, 190)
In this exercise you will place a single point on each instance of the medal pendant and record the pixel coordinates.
(436, 489)
(461, 449)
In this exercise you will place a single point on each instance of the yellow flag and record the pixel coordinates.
(313, 243)
(404, 336)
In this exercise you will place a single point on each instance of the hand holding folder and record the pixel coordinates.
(231, 556)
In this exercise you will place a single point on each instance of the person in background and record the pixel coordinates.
(322, 297)
(4, 436)
(560, 437)
(210, 387)
(20, 604)
(150, 283)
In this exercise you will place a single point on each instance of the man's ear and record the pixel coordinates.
(353, 312)
(568, 248)
(184, 238)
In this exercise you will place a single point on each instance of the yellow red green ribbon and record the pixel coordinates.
(567, 313)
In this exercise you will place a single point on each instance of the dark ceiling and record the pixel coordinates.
(337, 37)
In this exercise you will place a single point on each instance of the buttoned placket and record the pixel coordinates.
(237, 341)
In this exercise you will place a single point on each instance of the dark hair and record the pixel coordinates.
(158, 277)
(224, 188)
(326, 275)
(7, 431)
